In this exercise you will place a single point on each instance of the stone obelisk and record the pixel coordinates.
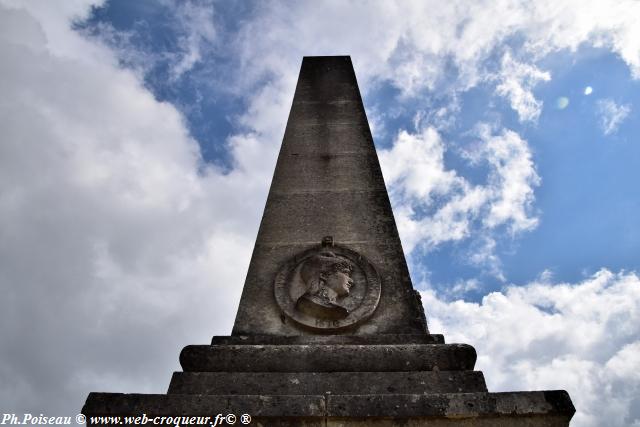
(330, 331)
(328, 183)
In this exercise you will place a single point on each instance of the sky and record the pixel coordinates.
(138, 141)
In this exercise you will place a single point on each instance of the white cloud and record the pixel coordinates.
(516, 82)
(512, 178)
(581, 337)
(53, 20)
(109, 221)
(588, 90)
(428, 46)
(415, 172)
(611, 115)
(419, 181)
(197, 31)
(482, 253)
(191, 37)
(441, 117)
(416, 163)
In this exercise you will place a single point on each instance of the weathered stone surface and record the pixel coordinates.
(349, 175)
(279, 383)
(329, 339)
(179, 404)
(328, 182)
(450, 405)
(328, 358)
(396, 294)
(458, 409)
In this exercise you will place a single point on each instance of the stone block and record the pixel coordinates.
(523, 409)
(302, 383)
(327, 358)
(328, 339)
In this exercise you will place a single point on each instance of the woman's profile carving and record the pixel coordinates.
(327, 279)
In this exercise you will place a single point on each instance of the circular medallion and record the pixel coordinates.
(328, 287)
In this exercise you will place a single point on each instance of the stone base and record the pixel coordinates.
(338, 383)
(548, 408)
(386, 380)
(327, 358)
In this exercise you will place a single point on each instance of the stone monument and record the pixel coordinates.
(330, 331)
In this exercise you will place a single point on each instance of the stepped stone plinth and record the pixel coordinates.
(330, 331)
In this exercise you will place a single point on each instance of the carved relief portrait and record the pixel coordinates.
(327, 279)
(327, 288)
